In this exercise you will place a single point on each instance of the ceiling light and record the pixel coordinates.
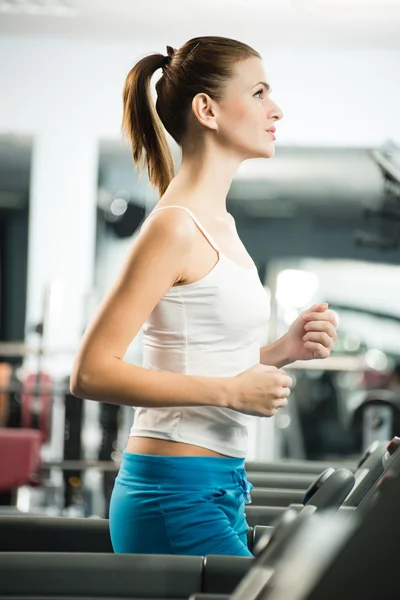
(350, 4)
(39, 7)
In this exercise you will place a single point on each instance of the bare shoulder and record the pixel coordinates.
(170, 221)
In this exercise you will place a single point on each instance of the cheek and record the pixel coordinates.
(241, 119)
(236, 116)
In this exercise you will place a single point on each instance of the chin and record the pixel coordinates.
(264, 153)
(268, 154)
(258, 151)
(269, 151)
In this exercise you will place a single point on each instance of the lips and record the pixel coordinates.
(272, 132)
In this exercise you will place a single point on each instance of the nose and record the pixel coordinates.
(274, 112)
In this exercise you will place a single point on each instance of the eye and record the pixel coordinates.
(259, 92)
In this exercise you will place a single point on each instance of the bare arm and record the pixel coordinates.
(275, 354)
(157, 260)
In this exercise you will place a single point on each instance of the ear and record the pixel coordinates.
(205, 110)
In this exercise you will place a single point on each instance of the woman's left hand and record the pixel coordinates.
(312, 334)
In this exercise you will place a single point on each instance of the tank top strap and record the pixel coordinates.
(195, 219)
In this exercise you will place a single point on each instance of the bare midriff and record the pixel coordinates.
(143, 445)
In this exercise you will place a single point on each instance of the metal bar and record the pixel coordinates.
(19, 388)
(81, 465)
(332, 363)
(21, 349)
(13, 349)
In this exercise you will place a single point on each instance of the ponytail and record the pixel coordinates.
(142, 125)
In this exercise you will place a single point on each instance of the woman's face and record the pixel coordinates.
(247, 112)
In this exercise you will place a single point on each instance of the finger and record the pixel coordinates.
(270, 369)
(333, 317)
(283, 392)
(278, 393)
(317, 308)
(328, 315)
(322, 307)
(324, 326)
(283, 381)
(271, 412)
(281, 403)
(317, 350)
(322, 338)
(287, 382)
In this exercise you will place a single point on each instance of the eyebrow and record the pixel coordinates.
(265, 84)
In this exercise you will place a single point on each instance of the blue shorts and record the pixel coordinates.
(189, 505)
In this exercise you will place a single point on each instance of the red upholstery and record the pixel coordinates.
(39, 403)
(19, 457)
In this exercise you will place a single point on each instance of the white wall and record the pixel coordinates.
(67, 94)
(328, 97)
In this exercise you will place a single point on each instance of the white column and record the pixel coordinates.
(62, 230)
(265, 440)
(263, 435)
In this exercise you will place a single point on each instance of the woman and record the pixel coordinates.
(192, 286)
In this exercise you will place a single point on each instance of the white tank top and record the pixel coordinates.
(213, 327)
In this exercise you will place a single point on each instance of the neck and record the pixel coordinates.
(204, 179)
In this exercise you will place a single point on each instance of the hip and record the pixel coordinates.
(183, 474)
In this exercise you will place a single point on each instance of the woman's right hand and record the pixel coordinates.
(260, 391)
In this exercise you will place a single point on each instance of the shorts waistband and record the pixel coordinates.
(194, 470)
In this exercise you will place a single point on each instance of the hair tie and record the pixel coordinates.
(170, 53)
